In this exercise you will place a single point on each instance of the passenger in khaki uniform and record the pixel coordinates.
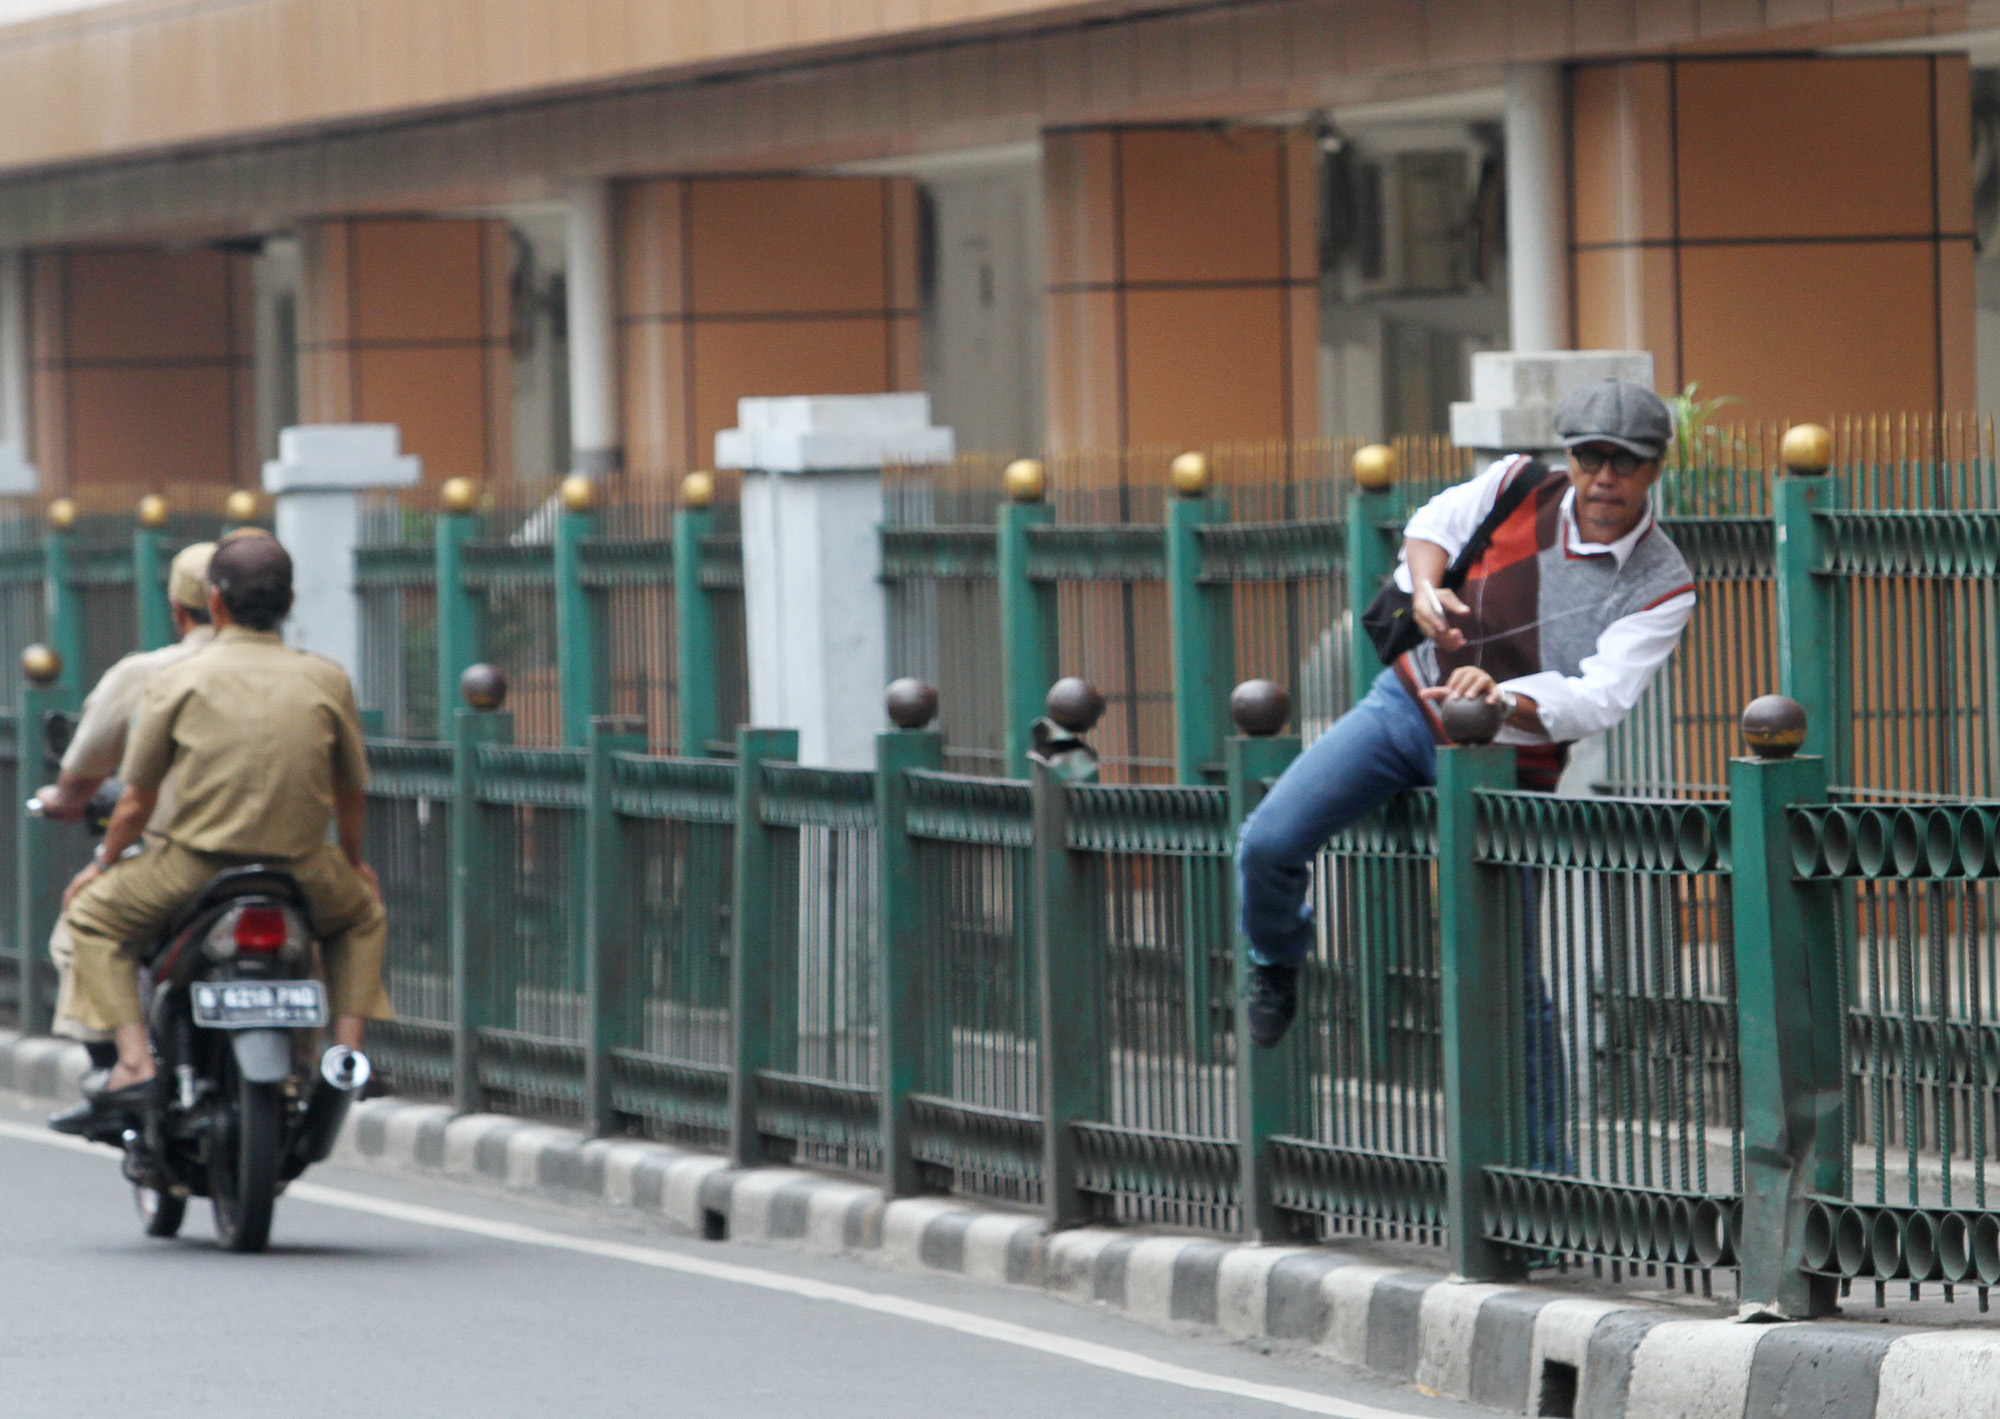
(99, 743)
(267, 745)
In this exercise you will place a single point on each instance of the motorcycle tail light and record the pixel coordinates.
(261, 929)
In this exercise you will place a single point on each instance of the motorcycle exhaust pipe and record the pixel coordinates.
(342, 1073)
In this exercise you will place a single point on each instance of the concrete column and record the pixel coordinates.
(593, 332)
(318, 478)
(1537, 209)
(17, 474)
(815, 612)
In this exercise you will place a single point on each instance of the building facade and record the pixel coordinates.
(552, 234)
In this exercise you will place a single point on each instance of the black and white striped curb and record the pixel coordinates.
(1525, 1350)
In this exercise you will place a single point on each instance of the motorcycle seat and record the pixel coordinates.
(250, 880)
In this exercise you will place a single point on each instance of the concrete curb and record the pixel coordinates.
(1524, 1350)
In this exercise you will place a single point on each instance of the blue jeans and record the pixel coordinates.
(1373, 752)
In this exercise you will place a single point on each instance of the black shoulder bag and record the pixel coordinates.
(1389, 620)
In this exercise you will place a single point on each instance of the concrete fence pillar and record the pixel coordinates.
(317, 481)
(815, 610)
(1537, 208)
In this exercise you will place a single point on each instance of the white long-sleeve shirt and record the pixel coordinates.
(1630, 651)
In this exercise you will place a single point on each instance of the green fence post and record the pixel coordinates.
(1068, 945)
(902, 947)
(457, 607)
(1204, 641)
(1788, 1031)
(754, 959)
(1808, 610)
(149, 577)
(1473, 975)
(65, 607)
(1371, 556)
(473, 872)
(695, 689)
(609, 982)
(1264, 1077)
(580, 650)
(1028, 644)
(38, 874)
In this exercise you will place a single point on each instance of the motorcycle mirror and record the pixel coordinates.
(58, 728)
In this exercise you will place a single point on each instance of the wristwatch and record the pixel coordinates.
(1511, 700)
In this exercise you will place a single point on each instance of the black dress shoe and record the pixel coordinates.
(114, 1102)
(1273, 1001)
(74, 1119)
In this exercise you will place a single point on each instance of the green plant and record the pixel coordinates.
(1704, 457)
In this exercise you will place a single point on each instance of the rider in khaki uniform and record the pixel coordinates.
(99, 743)
(267, 746)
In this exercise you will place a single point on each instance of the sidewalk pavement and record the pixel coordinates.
(1535, 1349)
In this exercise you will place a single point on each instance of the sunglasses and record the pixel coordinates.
(1622, 462)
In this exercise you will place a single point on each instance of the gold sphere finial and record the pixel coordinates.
(1375, 467)
(1026, 480)
(1808, 450)
(1190, 474)
(698, 489)
(579, 494)
(152, 511)
(459, 495)
(240, 506)
(41, 664)
(62, 514)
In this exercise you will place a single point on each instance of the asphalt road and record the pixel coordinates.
(390, 1296)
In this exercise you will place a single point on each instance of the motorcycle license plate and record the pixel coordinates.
(259, 1005)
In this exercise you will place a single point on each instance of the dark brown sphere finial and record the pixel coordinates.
(1075, 704)
(1774, 726)
(1471, 719)
(1260, 707)
(483, 686)
(912, 703)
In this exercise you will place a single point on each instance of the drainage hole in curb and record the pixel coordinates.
(715, 1228)
(1558, 1389)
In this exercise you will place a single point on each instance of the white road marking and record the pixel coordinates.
(1103, 1357)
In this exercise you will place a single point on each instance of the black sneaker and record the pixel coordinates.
(1274, 999)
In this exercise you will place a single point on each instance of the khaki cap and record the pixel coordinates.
(187, 579)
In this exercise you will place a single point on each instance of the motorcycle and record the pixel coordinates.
(234, 1003)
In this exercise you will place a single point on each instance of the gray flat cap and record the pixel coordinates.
(1615, 411)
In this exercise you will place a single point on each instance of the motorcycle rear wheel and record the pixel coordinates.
(243, 1169)
(162, 1212)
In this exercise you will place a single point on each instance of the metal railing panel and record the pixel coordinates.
(1157, 867)
(409, 845)
(1366, 1146)
(1623, 1137)
(977, 1112)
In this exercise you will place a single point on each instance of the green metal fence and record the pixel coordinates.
(1911, 889)
(976, 1120)
(1364, 1148)
(1618, 1078)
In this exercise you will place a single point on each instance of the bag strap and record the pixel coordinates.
(1511, 497)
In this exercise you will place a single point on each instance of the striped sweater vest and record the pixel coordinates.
(1538, 605)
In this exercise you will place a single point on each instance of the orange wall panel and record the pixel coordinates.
(734, 287)
(407, 321)
(1804, 147)
(789, 244)
(1800, 245)
(1760, 323)
(1205, 366)
(141, 367)
(1622, 152)
(1203, 204)
(149, 427)
(1182, 305)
